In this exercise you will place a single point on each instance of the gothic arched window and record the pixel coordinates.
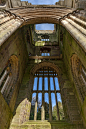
(8, 78)
(79, 73)
(46, 98)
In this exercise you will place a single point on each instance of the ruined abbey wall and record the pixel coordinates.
(69, 93)
(69, 47)
(71, 64)
(72, 3)
(13, 46)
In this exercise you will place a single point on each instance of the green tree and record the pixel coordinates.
(39, 109)
(32, 108)
(46, 111)
(61, 112)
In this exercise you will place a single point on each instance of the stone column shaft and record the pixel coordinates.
(56, 101)
(43, 106)
(50, 105)
(36, 103)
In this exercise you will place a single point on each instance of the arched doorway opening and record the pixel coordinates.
(79, 75)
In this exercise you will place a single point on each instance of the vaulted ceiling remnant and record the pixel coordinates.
(14, 18)
(41, 14)
(59, 54)
(8, 24)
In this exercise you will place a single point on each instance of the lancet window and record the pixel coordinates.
(45, 54)
(46, 98)
(82, 80)
(8, 78)
(79, 73)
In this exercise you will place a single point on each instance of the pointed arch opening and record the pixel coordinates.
(46, 93)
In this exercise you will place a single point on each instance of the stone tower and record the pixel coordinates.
(42, 72)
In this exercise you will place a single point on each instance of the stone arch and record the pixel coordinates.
(10, 77)
(42, 14)
(74, 64)
(79, 76)
(49, 64)
(13, 60)
(64, 84)
(49, 67)
(40, 65)
(66, 94)
(2, 2)
(39, 20)
(61, 79)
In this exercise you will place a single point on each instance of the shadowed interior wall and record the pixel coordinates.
(69, 47)
(2, 2)
(15, 45)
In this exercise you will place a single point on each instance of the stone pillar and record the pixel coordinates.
(56, 100)
(43, 107)
(50, 105)
(36, 103)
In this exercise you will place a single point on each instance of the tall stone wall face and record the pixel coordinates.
(82, 4)
(5, 113)
(15, 45)
(75, 4)
(68, 3)
(61, 3)
(23, 103)
(70, 47)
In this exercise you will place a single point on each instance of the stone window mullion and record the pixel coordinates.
(5, 84)
(50, 105)
(48, 84)
(3, 77)
(8, 87)
(43, 107)
(36, 103)
(56, 100)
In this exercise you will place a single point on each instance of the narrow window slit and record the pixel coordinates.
(35, 83)
(46, 107)
(60, 106)
(45, 83)
(51, 83)
(39, 106)
(32, 106)
(40, 83)
(54, 108)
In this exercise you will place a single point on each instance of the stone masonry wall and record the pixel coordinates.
(5, 114)
(23, 103)
(69, 47)
(15, 45)
(2, 2)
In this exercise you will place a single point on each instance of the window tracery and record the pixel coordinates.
(46, 99)
(79, 73)
(8, 78)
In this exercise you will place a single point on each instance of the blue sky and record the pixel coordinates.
(40, 2)
(46, 88)
(45, 26)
